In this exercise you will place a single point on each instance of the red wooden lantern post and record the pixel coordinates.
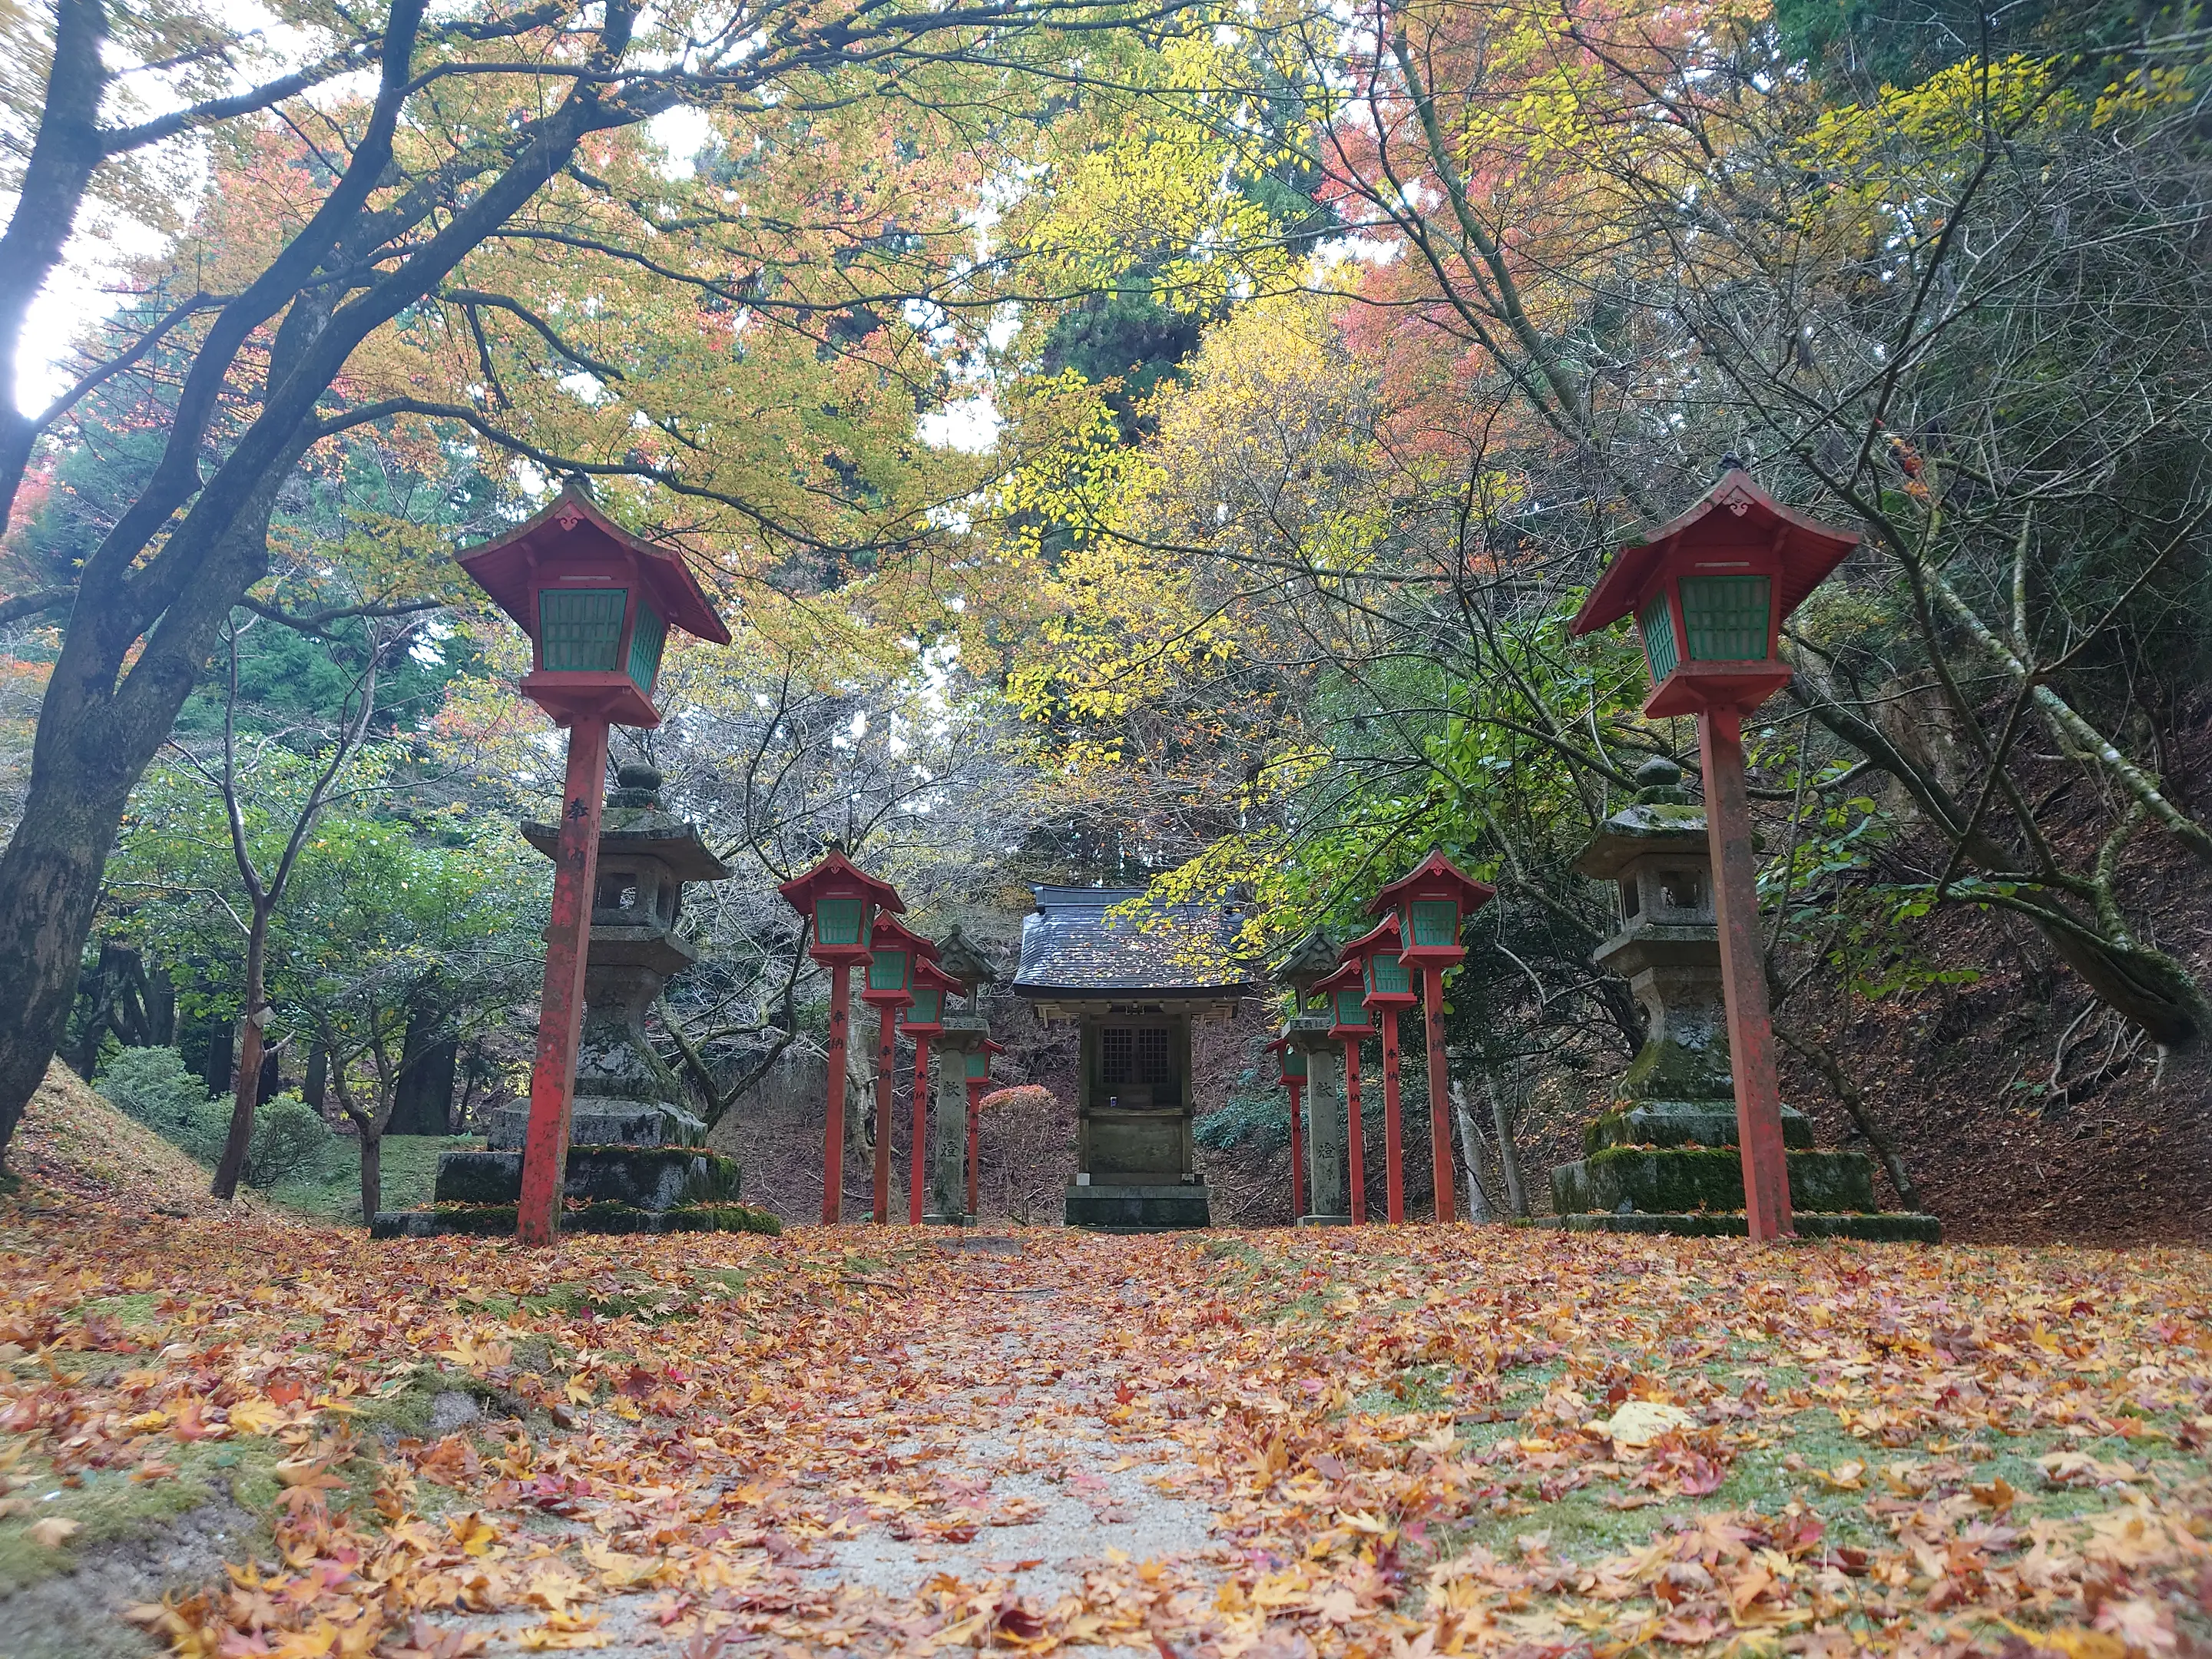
(889, 988)
(1430, 904)
(931, 983)
(597, 604)
(1348, 1006)
(978, 1062)
(1386, 987)
(1294, 1082)
(839, 903)
(1709, 591)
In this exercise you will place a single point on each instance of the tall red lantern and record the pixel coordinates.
(1709, 592)
(1431, 903)
(1351, 1025)
(597, 604)
(923, 1021)
(839, 903)
(1386, 987)
(889, 990)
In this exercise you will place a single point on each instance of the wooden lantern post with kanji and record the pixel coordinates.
(889, 990)
(1352, 1026)
(1431, 902)
(924, 1019)
(1386, 987)
(1292, 1060)
(839, 903)
(598, 604)
(1709, 592)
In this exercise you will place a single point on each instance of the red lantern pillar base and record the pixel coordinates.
(560, 1006)
(1394, 1160)
(1298, 1156)
(1355, 1151)
(1743, 977)
(917, 1156)
(833, 1143)
(886, 1057)
(1440, 1155)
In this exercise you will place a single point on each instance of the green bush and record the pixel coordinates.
(152, 1086)
(290, 1139)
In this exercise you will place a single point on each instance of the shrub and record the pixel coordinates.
(154, 1086)
(290, 1139)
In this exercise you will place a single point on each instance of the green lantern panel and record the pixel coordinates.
(1725, 617)
(979, 1063)
(1350, 1009)
(928, 1005)
(580, 629)
(1386, 975)
(839, 921)
(1658, 630)
(646, 640)
(1294, 1063)
(1432, 921)
(887, 972)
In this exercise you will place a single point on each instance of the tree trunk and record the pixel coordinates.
(316, 1089)
(245, 1096)
(1509, 1153)
(215, 1059)
(1479, 1207)
(372, 1173)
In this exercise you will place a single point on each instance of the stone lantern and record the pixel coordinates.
(636, 1157)
(1312, 960)
(839, 902)
(964, 1034)
(1663, 1155)
(1292, 1062)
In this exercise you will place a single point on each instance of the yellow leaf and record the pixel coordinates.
(54, 1531)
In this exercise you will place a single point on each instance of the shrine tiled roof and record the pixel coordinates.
(1070, 944)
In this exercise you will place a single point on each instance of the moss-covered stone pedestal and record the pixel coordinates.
(637, 1157)
(1662, 1158)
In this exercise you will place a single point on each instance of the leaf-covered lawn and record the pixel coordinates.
(1408, 1441)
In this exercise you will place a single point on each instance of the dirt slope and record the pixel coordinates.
(73, 1148)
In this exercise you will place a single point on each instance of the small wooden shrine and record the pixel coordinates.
(1135, 984)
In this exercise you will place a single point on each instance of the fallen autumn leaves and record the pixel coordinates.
(1409, 1441)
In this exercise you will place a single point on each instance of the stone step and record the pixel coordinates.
(497, 1220)
(645, 1177)
(1685, 1123)
(1138, 1209)
(1886, 1227)
(601, 1120)
(1671, 1180)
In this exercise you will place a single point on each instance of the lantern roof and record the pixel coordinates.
(1378, 941)
(1734, 517)
(957, 955)
(836, 869)
(930, 976)
(1434, 876)
(892, 934)
(1660, 819)
(1311, 960)
(1347, 976)
(632, 824)
(572, 532)
(991, 1047)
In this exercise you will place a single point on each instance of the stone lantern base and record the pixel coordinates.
(1673, 1168)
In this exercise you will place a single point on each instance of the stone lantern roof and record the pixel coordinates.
(634, 824)
(1660, 819)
